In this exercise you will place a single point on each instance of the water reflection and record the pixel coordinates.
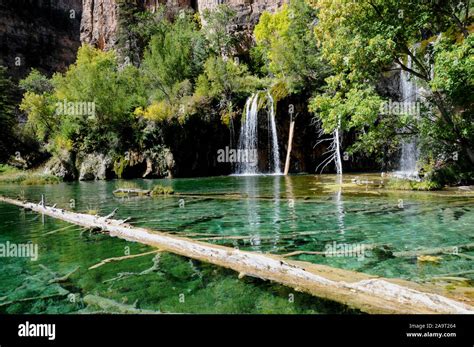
(276, 211)
(339, 203)
(251, 189)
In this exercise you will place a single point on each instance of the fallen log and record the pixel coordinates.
(367, 293)
(111, 306)
(131, 192)
(33, 298)
(462, 255)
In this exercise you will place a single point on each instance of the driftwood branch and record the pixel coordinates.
(111, 214)
(64, 278)
(132, 256)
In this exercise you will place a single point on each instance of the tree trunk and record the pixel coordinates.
(290, 143)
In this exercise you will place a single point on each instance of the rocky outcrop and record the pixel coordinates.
(94, 166)
(247, 11)
(99, 23)
(100, 18)
(46, 34)
(61, 165)
(160, 164)
(247, 15)
(157, 162)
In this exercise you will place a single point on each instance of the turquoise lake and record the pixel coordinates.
(270, 214)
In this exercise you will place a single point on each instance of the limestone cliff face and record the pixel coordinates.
(46, 34)
(99, 23)
(100, 17)
(38, 33)
(248, 11)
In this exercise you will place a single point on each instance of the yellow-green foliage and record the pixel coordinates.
(279, 90)
(128, 185)
(223, 77)
(119, 165)
(161, 190)
(40, 111)
(7, 169)
(272, 31)
(286, 43)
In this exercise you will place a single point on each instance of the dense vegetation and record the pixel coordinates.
(330, 55)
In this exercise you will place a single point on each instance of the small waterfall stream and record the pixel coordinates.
(275, 150)
(248, 141)
(409, 148)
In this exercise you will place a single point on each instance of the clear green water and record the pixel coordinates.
(262, 213)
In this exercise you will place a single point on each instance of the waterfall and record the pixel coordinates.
(275, 152)
(409, 149)
(337, 154)
(248, 141)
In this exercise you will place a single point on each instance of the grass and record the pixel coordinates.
(12, 175)
(425, 185)
(161, 190)
(128, 185)
(94, 211)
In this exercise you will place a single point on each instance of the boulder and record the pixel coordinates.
(61, 166)
(94, 166)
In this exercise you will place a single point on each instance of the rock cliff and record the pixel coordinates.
(100, 17)
(46, 34)
(39, 33)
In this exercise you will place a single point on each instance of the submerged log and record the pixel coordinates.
(370, 294)
(434, 251)
(110, 306)
(33, 298)
(131, 192)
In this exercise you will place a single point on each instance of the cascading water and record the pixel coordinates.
(275, 150)
(248, 141)
(409, 149)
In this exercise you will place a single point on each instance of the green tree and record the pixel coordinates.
(36, 83)
(7, 115)
(176, 53)
(218, 29)
(287, 44)
(362, 40)
(90, 107)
